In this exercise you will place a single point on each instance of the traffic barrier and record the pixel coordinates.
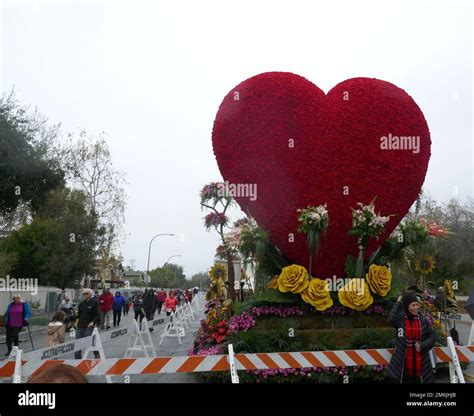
(261, 361)
(173, 329)
(189, 310)
(91, 343)
(184, 318)
(136, 341)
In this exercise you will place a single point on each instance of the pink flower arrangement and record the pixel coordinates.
(376, 310)
(282, 311)
(215, 219)
(342, 310)
(308, 371)
(242, 322)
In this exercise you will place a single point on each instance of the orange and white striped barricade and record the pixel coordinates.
(173, 329)
(260, 361)
(136, 341)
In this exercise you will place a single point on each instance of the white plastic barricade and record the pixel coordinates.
(91, 343)
(140, 340)
(185, 316)
(455, 371)
(189, 311)
(173, 329)
(178, 318)
(196, 304)
(233, 372)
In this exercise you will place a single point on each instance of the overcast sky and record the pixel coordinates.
(152, 75)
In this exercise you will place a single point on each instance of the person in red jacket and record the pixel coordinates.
(161, 296)
(170, 304)
(106, 301)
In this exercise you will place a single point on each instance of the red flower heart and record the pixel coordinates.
(301, 147)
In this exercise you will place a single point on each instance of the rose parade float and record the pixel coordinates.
(327, 230)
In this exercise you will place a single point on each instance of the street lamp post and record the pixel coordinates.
(174, 255)
(149, 251)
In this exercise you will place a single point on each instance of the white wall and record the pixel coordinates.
(6, 296)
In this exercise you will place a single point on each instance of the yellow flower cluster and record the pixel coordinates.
(379, 279)
(317, 294)
(293, 279)
(355, 294)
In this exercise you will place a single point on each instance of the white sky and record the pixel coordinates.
(151, 74)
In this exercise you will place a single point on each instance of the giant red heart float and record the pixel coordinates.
(302, 147)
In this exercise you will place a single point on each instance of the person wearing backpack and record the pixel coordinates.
(56, 329)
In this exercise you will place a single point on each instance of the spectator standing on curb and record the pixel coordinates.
(117, 308)
(56, 329)
(106, 301)
(88, 317)
(16, 317)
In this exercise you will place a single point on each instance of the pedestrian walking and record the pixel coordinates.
(411, 362)
(56, 329)
(161, 300)
(170, 304)
(16, 317)
(106, 301)
(117, 307)
(138, 307)
(150, 304)
(126, 303)
(87, 318)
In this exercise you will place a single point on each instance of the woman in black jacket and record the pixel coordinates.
(411, 362)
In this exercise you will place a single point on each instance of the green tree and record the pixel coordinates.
(27, 173)
(168, 276)
(58, 247)
(201, 280)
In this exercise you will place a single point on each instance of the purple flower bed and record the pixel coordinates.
(282, 311)
(342, 310)
(307, 371)
(242, 322)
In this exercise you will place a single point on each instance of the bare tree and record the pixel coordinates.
(88, 166)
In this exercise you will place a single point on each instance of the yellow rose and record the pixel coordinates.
(273, 283)
(293, 279)
(379, 279)
(355, 295)
(317, 294)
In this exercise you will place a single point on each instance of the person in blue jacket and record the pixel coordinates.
(16, 317)
(117, 307)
